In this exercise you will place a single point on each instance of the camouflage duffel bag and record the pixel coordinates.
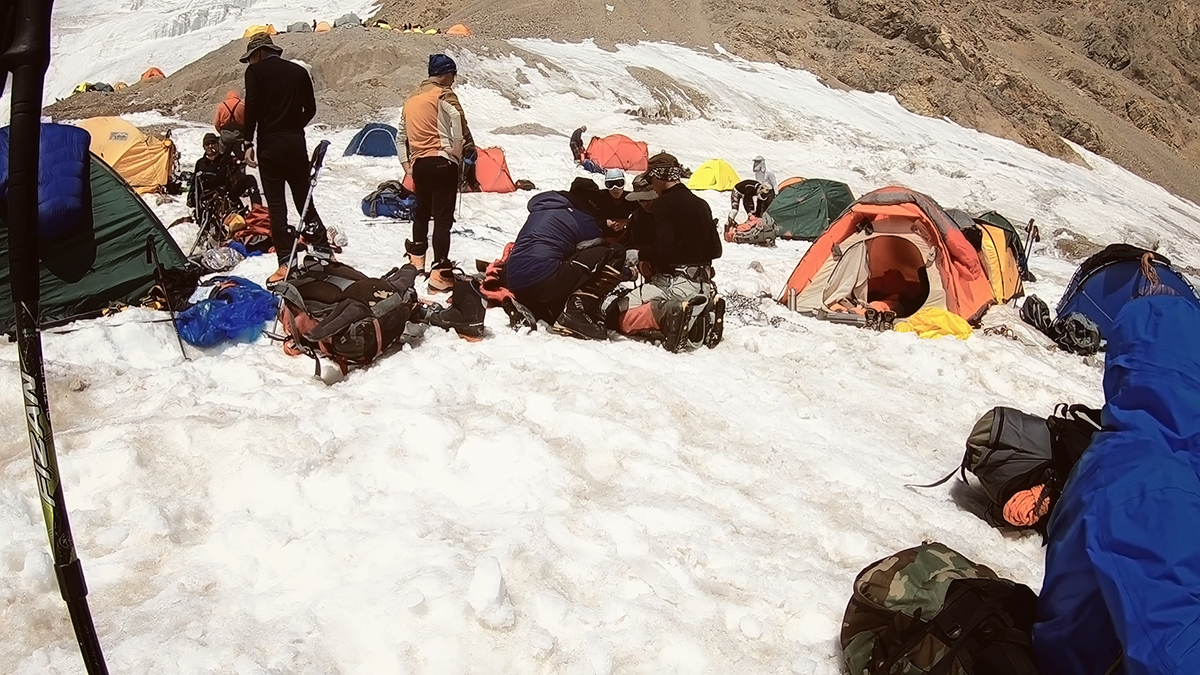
(929, 610)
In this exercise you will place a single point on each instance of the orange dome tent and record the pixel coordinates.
(153, 75)
(789, 181)
(491, 170)
(618, 152)
(323, 27)
(458, 29)
(893, 246)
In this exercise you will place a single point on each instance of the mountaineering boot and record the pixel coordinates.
(677, 321)
(575, 321)
(416, 253)
(717, 329)
(519, 315)
(277, 276)
(465, 313)
(441, 277)
(581, 317)
(871, 317)
(887, 320)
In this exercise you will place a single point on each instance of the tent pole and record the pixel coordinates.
(27, 24)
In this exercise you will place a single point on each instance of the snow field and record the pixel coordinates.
(533, 503)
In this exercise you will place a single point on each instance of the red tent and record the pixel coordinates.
(618, 152)
(491, 170)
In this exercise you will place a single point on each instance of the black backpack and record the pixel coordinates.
(1009, 451)
(334, 310)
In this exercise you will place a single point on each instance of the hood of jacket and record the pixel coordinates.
(548, 201)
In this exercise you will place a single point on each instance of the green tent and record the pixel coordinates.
(98, 266)
(804, 210)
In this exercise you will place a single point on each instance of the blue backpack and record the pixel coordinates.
(390, 200)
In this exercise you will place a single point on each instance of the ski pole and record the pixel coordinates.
(25, 27)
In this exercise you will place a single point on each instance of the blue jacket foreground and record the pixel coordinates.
(1123, 563)
(549, 236)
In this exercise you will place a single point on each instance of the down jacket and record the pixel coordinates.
(549, 236)
(1123, 563)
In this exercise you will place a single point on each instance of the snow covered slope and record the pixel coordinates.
(532, 503)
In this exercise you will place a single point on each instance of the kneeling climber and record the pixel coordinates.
(560, 268)
(679, 301)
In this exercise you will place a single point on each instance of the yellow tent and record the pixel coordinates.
(145, 162)
(999, 264)
(269, 29)
(82, 87)
(323, 27)
(431, 31)
(715, 174)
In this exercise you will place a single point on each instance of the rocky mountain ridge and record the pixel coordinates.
(1117, 78)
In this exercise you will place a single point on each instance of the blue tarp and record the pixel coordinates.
(1123, 563)
(236, 313)
(374, 140)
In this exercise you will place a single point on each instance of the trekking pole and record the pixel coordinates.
(1031, 235)
(152, 257)
(25, 29)
(314, 170)
(206, 223)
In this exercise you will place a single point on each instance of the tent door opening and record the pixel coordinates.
(897, 274)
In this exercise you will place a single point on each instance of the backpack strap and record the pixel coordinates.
(961, 470)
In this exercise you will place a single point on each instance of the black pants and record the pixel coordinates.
(436, 183)
(283, 160)
(547, 299)
(754, 202)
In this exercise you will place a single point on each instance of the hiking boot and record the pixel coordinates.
(465, 313)
(576, 321)
(441, 278)
(717, 330)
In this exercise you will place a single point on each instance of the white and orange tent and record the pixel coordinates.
(893, 246)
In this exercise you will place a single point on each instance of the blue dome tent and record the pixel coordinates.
(374, 140)
(1107, 281)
